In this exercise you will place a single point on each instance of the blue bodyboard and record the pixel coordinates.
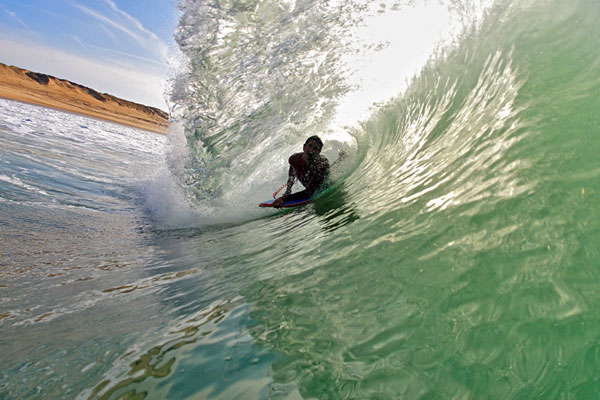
(287, 204)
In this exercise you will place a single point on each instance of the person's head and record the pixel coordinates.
(313, 145)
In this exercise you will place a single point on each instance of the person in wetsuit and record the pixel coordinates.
(311, 169)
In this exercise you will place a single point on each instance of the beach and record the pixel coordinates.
(48, 91)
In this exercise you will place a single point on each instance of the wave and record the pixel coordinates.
(456, 254)
(263, 76)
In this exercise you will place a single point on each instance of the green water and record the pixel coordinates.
(458, 256)
(463, 261)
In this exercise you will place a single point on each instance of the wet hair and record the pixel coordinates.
(316, 139)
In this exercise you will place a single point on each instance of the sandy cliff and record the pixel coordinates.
(45, 90)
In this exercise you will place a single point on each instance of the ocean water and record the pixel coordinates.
(455, 256)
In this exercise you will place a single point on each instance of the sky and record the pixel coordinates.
(121, 47)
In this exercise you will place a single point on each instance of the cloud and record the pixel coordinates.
(126, 24)
(79, 42)
(135, 22)
(13, 16)
(110, 34)
(130, 55)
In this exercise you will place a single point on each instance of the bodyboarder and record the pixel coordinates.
(311, 169)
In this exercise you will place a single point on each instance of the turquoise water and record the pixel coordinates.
(456, 255)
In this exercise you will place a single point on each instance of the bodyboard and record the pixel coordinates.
(287, 204)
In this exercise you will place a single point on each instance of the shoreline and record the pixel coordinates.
(21, 85)
(142, 126)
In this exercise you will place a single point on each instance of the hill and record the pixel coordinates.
(46, 90)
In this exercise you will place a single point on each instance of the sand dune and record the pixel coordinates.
(49, 91)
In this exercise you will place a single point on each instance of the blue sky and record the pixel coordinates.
(121, 47)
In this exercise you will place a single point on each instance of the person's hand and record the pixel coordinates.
(279, 202)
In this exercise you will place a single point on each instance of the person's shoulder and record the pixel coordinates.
(324, 160)
(295, 158)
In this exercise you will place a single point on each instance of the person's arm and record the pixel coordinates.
(290, 183)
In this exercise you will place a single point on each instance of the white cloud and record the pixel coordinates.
(152, 39)
(13, 15)
(110, 34)
(79, 42)
(129, 55)
(131, 27)
(126, 81)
